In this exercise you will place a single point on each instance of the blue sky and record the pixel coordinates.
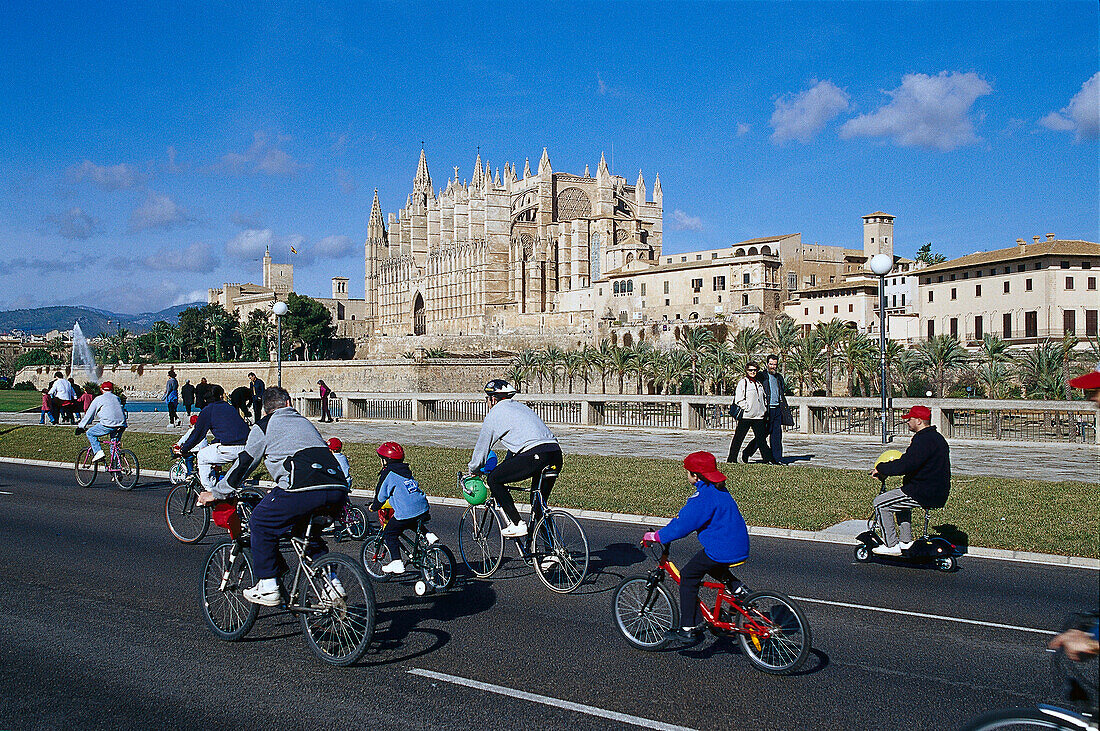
(147, 153)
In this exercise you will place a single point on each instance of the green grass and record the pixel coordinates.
(1026, 515)
(19, 400)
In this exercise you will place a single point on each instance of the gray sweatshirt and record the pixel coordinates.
(512, 424)
(295, 454)
(108, 408)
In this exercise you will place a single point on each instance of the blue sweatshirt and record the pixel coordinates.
(397, 485)
(223, 421)
(714, 514)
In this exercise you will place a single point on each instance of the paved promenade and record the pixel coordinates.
(1040, 461)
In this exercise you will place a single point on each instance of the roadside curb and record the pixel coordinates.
(996, 554)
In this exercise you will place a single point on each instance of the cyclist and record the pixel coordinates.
(336, 447)
(228, 429)
(397, 486)
(107, 408)
(190, 457)
(713, 513)
(531, 446)
(307, 478)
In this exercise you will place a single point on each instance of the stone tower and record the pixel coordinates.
(376, 251)
(279, 277)
(878, 234)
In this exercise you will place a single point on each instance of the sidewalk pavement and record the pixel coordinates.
(1038, 461)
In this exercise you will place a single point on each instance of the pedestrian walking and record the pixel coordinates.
(779, 412)
(187, 393)
(172, 396)
(257, 387)
(749, 398)
(46, 408)
(202, 394)
(325, 393)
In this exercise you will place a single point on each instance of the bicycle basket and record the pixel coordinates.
(474, 490)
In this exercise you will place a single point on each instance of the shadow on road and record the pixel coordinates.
(955, 535)
(791, 459)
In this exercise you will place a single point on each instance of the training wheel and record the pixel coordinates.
(421, 588)
(863, 553)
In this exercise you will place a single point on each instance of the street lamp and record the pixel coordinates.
(881, 264)
(279, 308)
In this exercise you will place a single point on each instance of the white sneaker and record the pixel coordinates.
(906, 545)
(268, 598)
(431, 538)
(887, 550)
(332, 591)
(397, 566)
(99, 457)
(515, 530)
(549, 562)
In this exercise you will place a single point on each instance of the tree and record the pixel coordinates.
(309, 323)
(993, 369)
(829, 336)
(924, 254)
(574, 363)
(622, 364)
(748, 342)
(256, 333)
(528, 364)
(806, 362)
(192, 330)
(785, 338)
(942, 356)
(696, 341)
(1040, 370)
(553, 359)
(858, 355)
(602, 361)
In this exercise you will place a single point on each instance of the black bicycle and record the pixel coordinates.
(434, 561)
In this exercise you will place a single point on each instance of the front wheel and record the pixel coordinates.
(863, 553)
(480, 542)
(643, 611)
(356, 523)
(177, 473)
(560, 552)
(374, 555)
(227, 573)
(85, 468)
(128, 470)
(1007, 719)
(776, 635)
(439, 568)
(338, 620)
(187, 520)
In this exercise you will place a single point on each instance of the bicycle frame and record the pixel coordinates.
(412, 546)
(302, 575)
(751, 626)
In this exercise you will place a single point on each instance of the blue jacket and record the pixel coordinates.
(714, 514)
(397, 485)
(223, 421)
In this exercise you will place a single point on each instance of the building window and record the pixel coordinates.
(719, 283)
(744, 300)
(1064, 264)
(952, 277)
(1069, 282)
(931, 329)
(698, 257)
(683, 258)
(1027, 285)
(939, 279)
(955, 327)
(979, 329)
(792, 280)
(977, 290)
(615, 288)
(666, 286)
(694, 300)
(1069, 322)
(630, 286)
(1021, 267)
(851, 308)
(929, 295)
(746, 279)
(1031, 324)
(719, 298)
(1038, 265)
(806, 311)
(1086, 265)
(714, 255)
(666, 303)
(1090, 322)
(601, 291)
(1092, 283)
(697, 284)
(903, 299)
(1006, 321)
(821, 310)
(893, 300)
(954, 294)
(966, 275)
(1006, 287)
(643, 289)
(836, 309)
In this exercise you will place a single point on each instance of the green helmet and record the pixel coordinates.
(474, 490)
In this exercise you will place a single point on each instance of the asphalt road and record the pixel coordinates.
(100, 628)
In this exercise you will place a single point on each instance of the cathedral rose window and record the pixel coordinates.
(573, 203)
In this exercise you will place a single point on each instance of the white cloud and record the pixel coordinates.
(605, 89)
(247, 220)
(1082, 115)
(107, 177)
(743, 129)
(75, 224)
(801, 116)
(158, 211)
(683, 222)
(194, 258)
(925, 111)
(333, 247)
(250, 243)
(186, 298)
(264, 155)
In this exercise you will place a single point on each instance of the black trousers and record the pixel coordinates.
(759, 439)
(519, 467)
(691, 577)
(391, 534)
(172, 418)
(325, 415)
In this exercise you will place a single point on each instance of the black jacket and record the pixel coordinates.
(188, 394)
(925, 468)
(764, 381)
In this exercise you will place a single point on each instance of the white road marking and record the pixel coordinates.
(5, 492)
(548, 701)
(922, 615)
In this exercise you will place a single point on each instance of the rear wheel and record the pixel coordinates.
(356, 523)
(947, 564)
(85, 468)
(480, 541)
(438, 567)
(643, 612)
(129, 472)
(785, 645)
(187, 520)
(374, 555)
(560, 551)
(1007, 719)
(228, 572)
(338, 620)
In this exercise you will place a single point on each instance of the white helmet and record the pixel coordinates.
(500, 387)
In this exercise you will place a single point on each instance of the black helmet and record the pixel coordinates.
(499, 387)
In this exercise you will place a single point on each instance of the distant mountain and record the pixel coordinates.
(42, 320)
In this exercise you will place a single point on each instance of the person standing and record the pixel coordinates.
(775, 392)
(749, 396)
(46, 408)
(240, 398)
(188, 395)
(61, 394)
(172, 396)
(202, 394)
(257, 387)
(325, 393)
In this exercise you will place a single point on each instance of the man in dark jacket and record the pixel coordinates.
(229, 431)
(775, 396)
(257, 388)
(187, 393)
(926, 480)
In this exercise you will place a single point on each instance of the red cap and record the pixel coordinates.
(194, 418)
(921, 412)
(391, 450)
(1088, 381)
(335, 444)
(704, 465)
(107, 386)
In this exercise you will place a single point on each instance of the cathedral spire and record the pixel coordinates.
(496, 181)
(477, 169)
(639, 191)
(657, 194)
(586, 173)
(602, 173)
(422, 183)
(544, 163)
(376, 210)
(526, 168)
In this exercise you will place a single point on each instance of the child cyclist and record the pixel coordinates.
(711, 511)
(336, 447)
(398, 487)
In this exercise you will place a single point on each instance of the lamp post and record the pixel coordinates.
(881, 264)
(279, 308)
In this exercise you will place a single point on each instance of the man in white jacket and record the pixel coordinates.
(749, 397)
(112, 418)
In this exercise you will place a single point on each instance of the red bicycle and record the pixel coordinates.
(770, 627)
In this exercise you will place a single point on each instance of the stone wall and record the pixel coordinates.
(397, 346)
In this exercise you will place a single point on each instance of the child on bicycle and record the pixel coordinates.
(397, 486)
(336, 447)
(711, 511)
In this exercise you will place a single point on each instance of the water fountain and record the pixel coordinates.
(83, 357)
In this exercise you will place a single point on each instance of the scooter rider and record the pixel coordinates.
(531, 445)
(926, 480)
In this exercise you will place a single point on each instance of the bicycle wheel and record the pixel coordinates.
(129, 472)
(789, 640)
(643, 615)
(1007, 719)
(438, 567)
(227, 574)
(187, 520)
(374, 555)
(85, 468)
(339, 621)
(177, 473)
(357, 523)
(560, 551)
(480, 542)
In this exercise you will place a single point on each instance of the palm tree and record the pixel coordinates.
(159, 331)
(671, 369)
(829, 336)
(528, 362)
(994, 359)
(573, 363)
(173, 341)
(942, 355)
(748, 342)
(517, 374)
(552, 359)
(721, 368)
(216, 320)
(806, 362)
(601, 359)
(857, 354)
(901, 364)
(621, 362)
(785, 338)
(589, 358)
(696, 341)
(1040, 370)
